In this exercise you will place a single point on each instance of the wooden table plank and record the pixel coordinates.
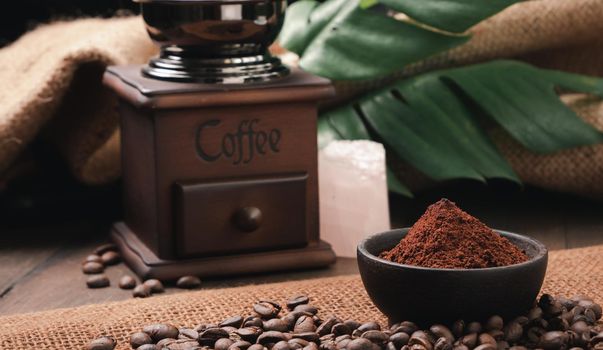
(43, 264)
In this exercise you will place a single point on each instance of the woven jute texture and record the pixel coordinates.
(570, 272)
(51, 80)
(51, 86)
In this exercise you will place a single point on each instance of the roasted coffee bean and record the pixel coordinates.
(597, 339)
(98, 281)
(518, 347)
(148, 347)
(161, 331)
(513, 332)
(139, 338)
(399, 339)
(390, 346)
(254, 321)
(223, 344)
(370, 326)
(275, 324)
(187, 333)
(486, 338)
(308, 336)
(486, 346)
(249, 334)
(360, 344)
(127, 282)
(311, 346)
(111, 258)
(281, 345)
(533, 334)
(304, 324)
(188, 282)
(209, 336)
(271, 337)
(165, 342)
(442, 344)
(100, 250)
(297, 300)
(460, 347)
(141, 291)
(352, 324)
(91, 268)
(458, 328)
(421, 339)
(474, 327)
(590, 305)
(183, 344)
(292, 317)
(494, 323)
(326, 326)
(469, 340)
(440, 331)
(240, 344)
(328, 345)
(534, 313)
(522, 320)
(154, 285)
(497, 334)
(229, 329)
(266, 310)
(297, 343)
(234, 321)
(553, 340)
(417, 347)
(306, 308)
(502, 345)
(93, 258)
(340, 329)
(539, 322)
(256, 347)
(102, 343)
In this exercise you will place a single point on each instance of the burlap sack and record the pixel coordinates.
(51, 79)
(570, 272)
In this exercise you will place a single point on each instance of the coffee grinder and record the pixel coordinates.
(219, 151)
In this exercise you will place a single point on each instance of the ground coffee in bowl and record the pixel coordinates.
(447, 237)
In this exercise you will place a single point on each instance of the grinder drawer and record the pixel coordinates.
(214, 218)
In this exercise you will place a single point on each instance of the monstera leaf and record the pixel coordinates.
(433, 121)
(341, 40)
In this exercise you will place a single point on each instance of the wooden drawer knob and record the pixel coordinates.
(248, 219)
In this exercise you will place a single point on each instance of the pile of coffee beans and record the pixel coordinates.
(553, 324)
(95, 264)
(107, 255)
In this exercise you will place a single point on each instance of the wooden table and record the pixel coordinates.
(40, 266)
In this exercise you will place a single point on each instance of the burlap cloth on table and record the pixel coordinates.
(51, 83)
(570, 272)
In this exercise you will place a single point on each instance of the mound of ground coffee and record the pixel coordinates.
(447, 237)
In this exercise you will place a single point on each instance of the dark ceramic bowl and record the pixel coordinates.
(429, 295)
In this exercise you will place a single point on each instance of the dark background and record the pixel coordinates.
(25, 14)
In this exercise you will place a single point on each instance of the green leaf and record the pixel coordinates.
(352, 43)
(432, 120)
(305, 19)
(523, 101)
(451, 15)
(413, 137)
